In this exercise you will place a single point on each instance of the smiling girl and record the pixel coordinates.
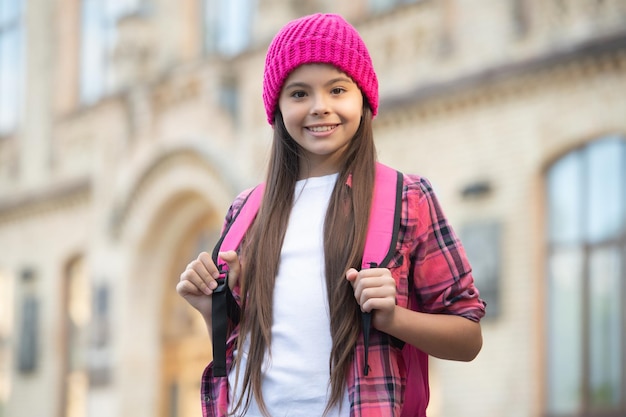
(297, 277)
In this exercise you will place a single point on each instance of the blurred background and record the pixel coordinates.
(128, 126)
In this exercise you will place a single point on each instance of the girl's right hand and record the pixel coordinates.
(198, 281)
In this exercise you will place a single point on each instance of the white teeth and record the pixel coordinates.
(321, 128)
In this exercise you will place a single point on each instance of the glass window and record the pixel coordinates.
(99, 33)
(11, 63)
(566, 195)
(382, 5)
(228, 25)
(606, 331)
(605, 185)
(564, 333)
(586, 356)
(229, 98)
(481, 240)
(92, 60)
(29, 323)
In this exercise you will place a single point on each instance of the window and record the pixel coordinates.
(29, 330)
(11, 60)
(586, 367)
(229, 97)
(99, 29)
(227, 25)
(383, 5)
(520, 17)
(183, 329)
(99, 367)
(481, 240)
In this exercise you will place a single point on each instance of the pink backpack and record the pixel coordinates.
(380, 244)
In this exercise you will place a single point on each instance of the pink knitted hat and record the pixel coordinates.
(318, 38)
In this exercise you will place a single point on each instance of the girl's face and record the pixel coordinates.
(322, 109)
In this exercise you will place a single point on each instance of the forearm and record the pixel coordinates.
(440, 335)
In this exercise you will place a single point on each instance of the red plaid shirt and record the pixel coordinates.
(429, 258)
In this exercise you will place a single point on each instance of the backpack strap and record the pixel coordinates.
(384, 221)
(382, 232)
(224, 305)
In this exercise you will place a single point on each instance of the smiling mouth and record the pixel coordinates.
(319, 129)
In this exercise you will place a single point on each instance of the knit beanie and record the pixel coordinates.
(318, 38)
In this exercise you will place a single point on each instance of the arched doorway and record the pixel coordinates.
(173, 210)
(186, 347)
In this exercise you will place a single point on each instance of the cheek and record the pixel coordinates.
(355, 108)
(289, 111)
(289, 120)
(294, 119)
(291, 123)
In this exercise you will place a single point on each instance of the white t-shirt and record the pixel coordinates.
(296, 380)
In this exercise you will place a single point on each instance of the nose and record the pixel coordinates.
(320, 106)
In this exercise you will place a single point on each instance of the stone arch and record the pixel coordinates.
(204, 163)
(569, 144)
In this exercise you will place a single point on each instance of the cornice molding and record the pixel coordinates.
(57, 197)
(514, 79)
(160, 166)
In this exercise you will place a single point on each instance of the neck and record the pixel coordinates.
(318, 168)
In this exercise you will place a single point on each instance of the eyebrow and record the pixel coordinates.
(299, 84)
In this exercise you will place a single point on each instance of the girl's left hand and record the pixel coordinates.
(375, 291)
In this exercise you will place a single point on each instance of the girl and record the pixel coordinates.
(296, 277)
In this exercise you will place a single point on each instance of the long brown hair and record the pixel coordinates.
(345, 229)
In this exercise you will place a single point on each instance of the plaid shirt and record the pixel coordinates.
(431, 260)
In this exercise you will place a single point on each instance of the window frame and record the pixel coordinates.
(226, 32)
(587, 246)
(382, 6)
(97, 77)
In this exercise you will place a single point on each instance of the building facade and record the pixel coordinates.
(128, 126)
